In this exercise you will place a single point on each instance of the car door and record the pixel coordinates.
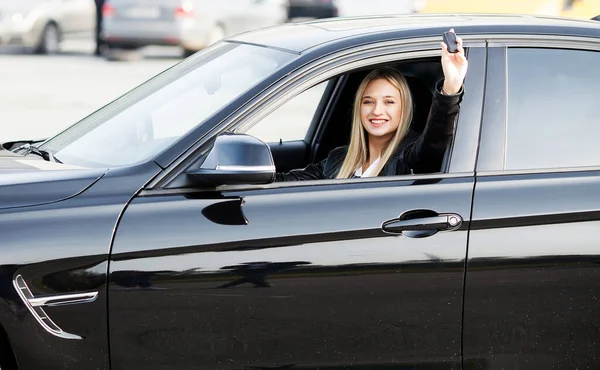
(298, 274)
(78, 17)
(531, 299)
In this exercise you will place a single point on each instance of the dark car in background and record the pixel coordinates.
(312, 9)
(150, 235)
(317, 9)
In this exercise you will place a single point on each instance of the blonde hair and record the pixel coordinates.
(358, 149)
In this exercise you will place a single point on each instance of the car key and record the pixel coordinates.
(450, 41)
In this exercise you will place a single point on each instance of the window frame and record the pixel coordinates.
(334, 66)
(492, 151)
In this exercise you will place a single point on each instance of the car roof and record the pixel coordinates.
(304, 36)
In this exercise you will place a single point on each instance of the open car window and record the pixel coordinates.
(292, 120)
(147, 120)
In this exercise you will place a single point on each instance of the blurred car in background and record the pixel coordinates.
(191, 24)
(317, 9)
(42, 24)
(353, 8)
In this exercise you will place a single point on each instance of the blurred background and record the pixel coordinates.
(60, 60)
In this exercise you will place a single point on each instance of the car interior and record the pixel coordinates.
(331, 124)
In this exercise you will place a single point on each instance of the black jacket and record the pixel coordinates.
(417, 153)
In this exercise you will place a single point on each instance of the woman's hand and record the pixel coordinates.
(454, 66)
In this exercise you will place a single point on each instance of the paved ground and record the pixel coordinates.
(41, 95)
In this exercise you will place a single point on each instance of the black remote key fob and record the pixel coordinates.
(450, 40)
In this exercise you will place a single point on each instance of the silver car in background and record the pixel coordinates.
(354, 8)
(42, 24)
(191, 24)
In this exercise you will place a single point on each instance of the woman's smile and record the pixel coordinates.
(378, 122)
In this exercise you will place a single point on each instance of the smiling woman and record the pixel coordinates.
(147, 120)
(380, 144)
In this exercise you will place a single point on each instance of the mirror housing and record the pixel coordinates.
(235, 159)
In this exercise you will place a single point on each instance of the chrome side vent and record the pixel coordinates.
(35, 306)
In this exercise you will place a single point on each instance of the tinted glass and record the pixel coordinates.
(553, 97)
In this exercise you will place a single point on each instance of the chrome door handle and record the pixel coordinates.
(422, 223)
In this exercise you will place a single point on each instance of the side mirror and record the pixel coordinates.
(235, 159)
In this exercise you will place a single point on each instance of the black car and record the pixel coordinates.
(317, 9)
(150, 236)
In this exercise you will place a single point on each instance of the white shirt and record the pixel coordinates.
(369, 171)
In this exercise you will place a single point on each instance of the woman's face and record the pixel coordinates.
(380, 109)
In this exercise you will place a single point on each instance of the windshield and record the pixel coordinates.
(144, 122)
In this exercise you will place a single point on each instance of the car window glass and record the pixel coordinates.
(552, 118)
(291, 120)
(150, 118)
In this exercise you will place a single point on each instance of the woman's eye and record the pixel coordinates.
(367, 102)
(389, 102)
